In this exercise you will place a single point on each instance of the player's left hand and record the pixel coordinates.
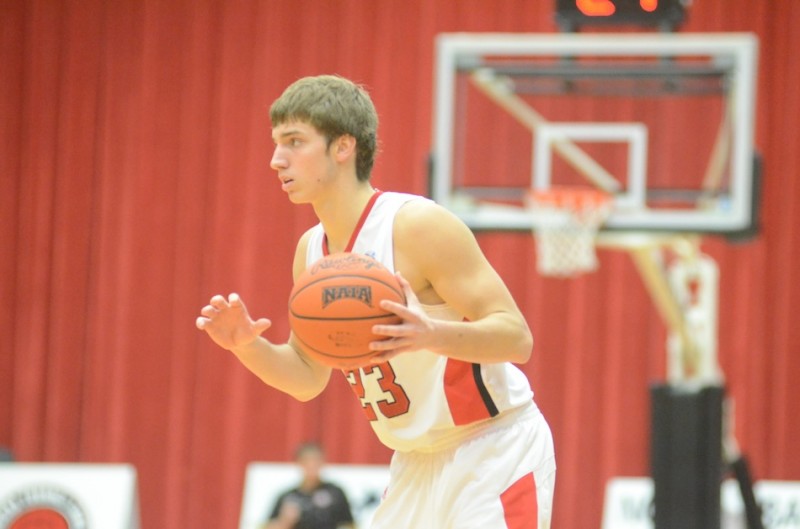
(414, 333)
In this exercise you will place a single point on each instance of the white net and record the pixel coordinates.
(565, 228)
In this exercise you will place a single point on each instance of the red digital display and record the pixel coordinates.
(604, 8)
(573, 13)
(596, 8)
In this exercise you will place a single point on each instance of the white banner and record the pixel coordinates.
(77, 496)
(628, 504)
(264, 482)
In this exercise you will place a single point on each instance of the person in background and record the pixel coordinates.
(313, 503)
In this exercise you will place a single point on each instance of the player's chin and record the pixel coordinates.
(295, 193)
(297, 198)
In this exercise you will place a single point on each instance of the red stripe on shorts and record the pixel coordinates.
(519, 504)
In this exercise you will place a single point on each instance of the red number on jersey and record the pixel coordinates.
(394, 402)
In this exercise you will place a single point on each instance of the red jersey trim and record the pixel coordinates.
(359, 225)
(466, 394)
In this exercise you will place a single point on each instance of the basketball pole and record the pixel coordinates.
(648, 262)
(693, 440)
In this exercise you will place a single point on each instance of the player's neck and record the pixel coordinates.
(340, 214)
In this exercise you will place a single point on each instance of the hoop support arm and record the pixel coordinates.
(667, 304)
(490, 85)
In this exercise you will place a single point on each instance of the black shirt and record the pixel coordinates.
(325, 507)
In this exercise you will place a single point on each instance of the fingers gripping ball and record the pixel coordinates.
(334, 305)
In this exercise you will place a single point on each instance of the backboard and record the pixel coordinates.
(662, 121)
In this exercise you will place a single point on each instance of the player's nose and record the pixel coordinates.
(278, 161)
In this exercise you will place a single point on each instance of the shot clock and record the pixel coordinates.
(663, 14)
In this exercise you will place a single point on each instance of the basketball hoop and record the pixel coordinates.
(565, 221)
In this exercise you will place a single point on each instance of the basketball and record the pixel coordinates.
(334, 304)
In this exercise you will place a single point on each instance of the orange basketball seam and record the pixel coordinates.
(343, 318)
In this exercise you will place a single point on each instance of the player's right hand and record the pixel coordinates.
(229, 324)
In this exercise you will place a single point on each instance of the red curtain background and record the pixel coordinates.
(134, 163)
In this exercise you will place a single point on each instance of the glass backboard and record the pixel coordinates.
(662, 121)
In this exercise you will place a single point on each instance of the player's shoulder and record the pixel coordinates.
(418, 217)
(422, 226)
(418, 209)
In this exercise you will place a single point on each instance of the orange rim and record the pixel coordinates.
(574, 198)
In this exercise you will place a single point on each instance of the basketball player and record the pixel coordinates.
(472, 450)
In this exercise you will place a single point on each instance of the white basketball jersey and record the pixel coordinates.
(423, 400)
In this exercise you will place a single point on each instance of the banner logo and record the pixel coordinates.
(41, 507)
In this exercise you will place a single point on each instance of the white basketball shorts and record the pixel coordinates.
(502, 479)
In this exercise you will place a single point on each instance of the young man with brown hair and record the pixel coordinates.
(472, 449)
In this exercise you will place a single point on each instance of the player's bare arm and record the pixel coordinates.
(282, 366)
(439, 260)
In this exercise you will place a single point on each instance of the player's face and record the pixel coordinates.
(302, 160)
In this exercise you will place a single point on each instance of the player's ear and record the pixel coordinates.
(344, 146)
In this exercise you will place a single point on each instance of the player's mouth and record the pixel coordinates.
(286, 183)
